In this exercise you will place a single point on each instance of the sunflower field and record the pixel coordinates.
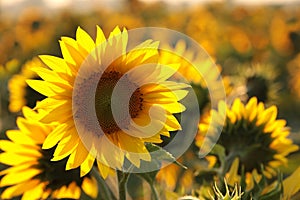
(150, 100)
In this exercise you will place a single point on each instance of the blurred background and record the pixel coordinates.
(256, 43)
(237, 34)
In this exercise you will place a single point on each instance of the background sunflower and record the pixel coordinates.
(252, 138)
(257, 48)
(19, 93)
(30, 172)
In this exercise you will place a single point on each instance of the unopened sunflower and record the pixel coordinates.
(31, 173)
(236, 194)
(254, 136)
(9, 68)
(106, 62)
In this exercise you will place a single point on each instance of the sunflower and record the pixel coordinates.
(32, 25)
(197, 69)
(251, 136)
(31, 173)
(19, 93)
(256, 80)
(83, 83)
(205, 28)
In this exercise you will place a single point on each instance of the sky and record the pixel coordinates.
(63, 3)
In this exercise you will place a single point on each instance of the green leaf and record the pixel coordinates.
(156, 161)
(275, 193)
(163, 155)
(104, 192)
(219, 151)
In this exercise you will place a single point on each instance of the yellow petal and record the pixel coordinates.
(238, 108)
(50, 103)
(170, 107)
(84, 40)
(87, 165)
(21, 176)
(156, 138)
(64, 111)
(50, 76)
(17, 168)
(67, 145)
(71, 192)
(77, 157)
(31, 128)
(36, 193)
(15, 159)
(55, 136)
(232, 175)
(113, 158)
(31, 114)
(55, 63)
(291, 185)
(100, 38)
(28, 150)
(19, 189)
(46, 88)
(89, 186)
(251, 109)
(20, 138)
(134, 152)
(269, 115)
(103, 169)
(70, 50)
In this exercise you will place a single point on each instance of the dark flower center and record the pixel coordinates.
(35, 25)
(54, 172)
(247, 141)
(103, 104)
(257, 87)
(31, 96)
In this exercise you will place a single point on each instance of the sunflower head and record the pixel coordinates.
(33, 25)
(19, 93)
(30, 173)
(196, 69)
(256, 80)
(254, 136)
(113, 97)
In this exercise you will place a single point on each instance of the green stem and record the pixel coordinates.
(122, 179)
(105, 192)
(154, 192)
